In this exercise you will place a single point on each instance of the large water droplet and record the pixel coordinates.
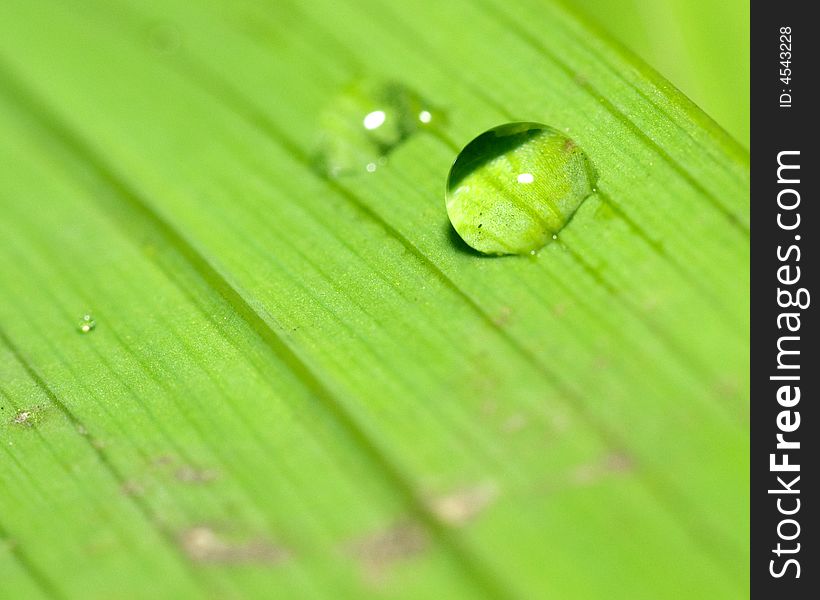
(86, 324)
(515, 186)
(367, 121)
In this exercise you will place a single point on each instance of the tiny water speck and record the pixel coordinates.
(86, 324)
(366, 122)
(515, 186)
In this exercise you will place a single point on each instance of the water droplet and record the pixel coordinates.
(367, 121)
(515, 186)
(86, 324)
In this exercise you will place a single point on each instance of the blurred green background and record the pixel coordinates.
(701, 47)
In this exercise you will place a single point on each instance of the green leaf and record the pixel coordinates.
(300, 386)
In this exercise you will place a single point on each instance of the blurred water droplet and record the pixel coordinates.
(367, 121)
(514, 187)
(86, 324)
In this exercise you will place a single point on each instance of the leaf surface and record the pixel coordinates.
(308, 385)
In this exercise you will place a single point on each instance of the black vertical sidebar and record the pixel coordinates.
(785, 562)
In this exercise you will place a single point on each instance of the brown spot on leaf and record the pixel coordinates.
(194, 475)
(727, 387)
(204, 545)
(489, 407)
(615, 462)
(163, 460)
(514, 423)
(559, 309)
(619, 462)
(462, 506)
(379, 551)
(132, 488)
(502, 317)
(601, 362)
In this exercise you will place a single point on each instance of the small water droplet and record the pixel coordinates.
(367, 121)
(86, 324)
(521, 182)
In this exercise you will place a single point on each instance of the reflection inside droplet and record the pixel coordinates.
(374, 119)
(525, 178)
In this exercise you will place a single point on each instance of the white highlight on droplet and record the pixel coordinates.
(374, 119)
(525, 178)
(425, 116)
(87, 323)
(371, 167)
